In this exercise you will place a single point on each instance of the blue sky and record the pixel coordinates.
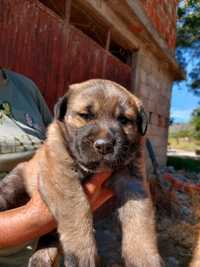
(182, 103)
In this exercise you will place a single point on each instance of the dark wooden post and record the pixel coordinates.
(136, 67)
(107, 47)
(68, 4)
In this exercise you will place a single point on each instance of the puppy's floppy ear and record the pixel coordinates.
(60, 108)
(142, 121)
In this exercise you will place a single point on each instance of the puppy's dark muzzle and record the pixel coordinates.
(104, 146)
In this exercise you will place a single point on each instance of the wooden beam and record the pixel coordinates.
(120, 32)
(107, 47)
(137, 62)
(120, 17)
(132, 11)
(68, 4)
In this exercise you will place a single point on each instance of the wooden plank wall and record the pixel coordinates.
(37, 43)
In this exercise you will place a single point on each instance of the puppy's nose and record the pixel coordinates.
(104, 146)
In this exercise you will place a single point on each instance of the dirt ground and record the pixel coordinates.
(178, 217)
(177, 222)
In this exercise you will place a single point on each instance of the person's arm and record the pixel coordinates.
(25, 223)
(33, 220)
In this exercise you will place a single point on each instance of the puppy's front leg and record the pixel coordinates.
(76, 233)
(136, 214)
(12, 189)
(45, 257)
(69, 205)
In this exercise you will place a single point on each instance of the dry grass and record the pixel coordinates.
(182, 144)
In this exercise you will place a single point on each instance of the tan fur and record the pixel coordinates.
(60, 188)
(196, 256)
(53, 171)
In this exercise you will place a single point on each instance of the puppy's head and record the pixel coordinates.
(103, 124)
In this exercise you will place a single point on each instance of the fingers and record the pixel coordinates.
(95, 183)
(26, 223)
(98, 195)
(104, 195)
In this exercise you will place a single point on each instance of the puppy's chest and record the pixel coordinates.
(33, 171)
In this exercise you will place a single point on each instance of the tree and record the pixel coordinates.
(188, 41)
(196, 123)
(171, 121)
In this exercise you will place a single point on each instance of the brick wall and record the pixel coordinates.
(163, 16)
(155, 91)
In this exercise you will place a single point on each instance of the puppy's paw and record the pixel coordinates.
(70, 260)
(115, 265)
(73, 261)
(145, 261)
(46, 257)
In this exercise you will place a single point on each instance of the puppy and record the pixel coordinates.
(98, 126)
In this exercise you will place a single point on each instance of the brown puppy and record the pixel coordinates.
(98, 126)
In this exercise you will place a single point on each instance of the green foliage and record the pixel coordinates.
(187, 164)
(181, 134)
(180, 130)
(196, 123)
(171, 121)
(187, 144)
(188, 41)
(188, 26)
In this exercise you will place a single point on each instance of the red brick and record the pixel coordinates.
(162, 13)
(157, 21)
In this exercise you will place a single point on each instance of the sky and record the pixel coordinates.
(183, 103)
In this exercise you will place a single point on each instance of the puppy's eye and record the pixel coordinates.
(123, 120)
(86, 116)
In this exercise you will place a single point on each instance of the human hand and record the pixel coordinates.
(34, 219)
